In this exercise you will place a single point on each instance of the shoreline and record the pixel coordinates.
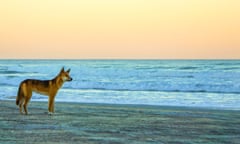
(136, 105)
(110, 123)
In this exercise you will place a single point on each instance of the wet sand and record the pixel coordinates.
(102, 123)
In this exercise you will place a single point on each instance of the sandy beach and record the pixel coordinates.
(102, 123)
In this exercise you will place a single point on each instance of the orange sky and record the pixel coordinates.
(128, 29)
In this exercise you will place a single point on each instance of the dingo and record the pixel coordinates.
(45, 87)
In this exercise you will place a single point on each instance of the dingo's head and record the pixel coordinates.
(64, 75)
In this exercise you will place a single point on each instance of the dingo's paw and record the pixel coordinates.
(50, 113)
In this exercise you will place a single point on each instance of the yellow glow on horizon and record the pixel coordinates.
(120, 29)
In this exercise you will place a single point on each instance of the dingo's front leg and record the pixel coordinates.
(51, 100)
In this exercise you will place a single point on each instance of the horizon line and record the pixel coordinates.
(119, 59)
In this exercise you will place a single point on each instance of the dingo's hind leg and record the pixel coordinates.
(28, 95)
(26, 103)
(21, 105)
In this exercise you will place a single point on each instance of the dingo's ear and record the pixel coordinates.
(62, 70)
(68, 71)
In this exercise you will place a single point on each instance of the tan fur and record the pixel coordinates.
(45, 87)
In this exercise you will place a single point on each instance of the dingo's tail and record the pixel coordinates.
(18, 96)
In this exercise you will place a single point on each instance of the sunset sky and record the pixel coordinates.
(121, 29)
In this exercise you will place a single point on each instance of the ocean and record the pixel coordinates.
(188, 83)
